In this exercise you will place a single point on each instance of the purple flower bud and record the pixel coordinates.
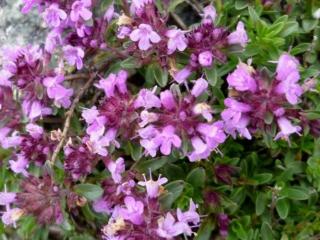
(182, 75)
(7, 198)
(205, 58)
(190, 216)
(28, 5)
(199, 87)
(145, 35)
(167, 100)
(239, 36)
(223, 221)
(109, 13)
(123, 32)
(209, 14)
(223, 173)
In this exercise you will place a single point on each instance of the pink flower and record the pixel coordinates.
(53, 40)
(56, 91)
(166, 139)
(199, 87)
(80, 9)
(239, 36)
(20, 165)
(286, 66)
(241, 79)
(167, 100)
(102, 206)
(34, 130)
(209, 14)
(74, 56)
(29, 4)
(205, 58)
(113, 82)
(168, 228)
(177, 40)
(53, 15)
(147, 99)
(182, 75)
(90, 114)
(34, 109)
(7, 198)
(133, 210)
(123, 32)
(116, 168)
(288, 74)
(153, 187)
(286, 128)
(145, 35)
(190, 216)
(235, 117)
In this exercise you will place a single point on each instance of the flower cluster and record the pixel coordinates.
(256, 102)
(136, 214)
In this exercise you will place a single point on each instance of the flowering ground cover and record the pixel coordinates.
(150, 119)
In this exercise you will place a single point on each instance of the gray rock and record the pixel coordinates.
(17, 29)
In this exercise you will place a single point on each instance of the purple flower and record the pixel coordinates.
(239, 36)
(182, 75)
(56, 91)
(34, 130)
(167, 100)
(109, 14)
(286, 66)
(81, 9)
(99, 144)
(177, 40)
(74, 56)
(190, 216)
(35, 109)
(97, 128)
(199, 87)
(90, 114)
(102, 206)
(20, 165)
(53, 40)
(241, 79)
(113, 82)
(10, 216)
(53, 15)
(286, 128)
(116, 168)
(235, 117)
(203, 109)
(209, 14)
(145, 35)
(7, 198)
(123, 32)
(147, 118)
(166, 139)
(133, 211)
(168, 228)
(205, 58)
(29, 4)
(147, 99)
(288, 75)
(153, 187)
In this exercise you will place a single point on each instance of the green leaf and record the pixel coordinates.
(130, 63)
(152, 164)
(309, 24)
(212, 76)
(155, 73)
(290, 28)
(135, 151)
(241, 4)
(300, 48)
(89, 191)
(282, 206)
(263, 178)
(205, 230)
(254, 17)
(197, 177)
(261, 203)
(294, 193)
(174, 189)
(174, 4)
(275, 29)
(266, 231)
